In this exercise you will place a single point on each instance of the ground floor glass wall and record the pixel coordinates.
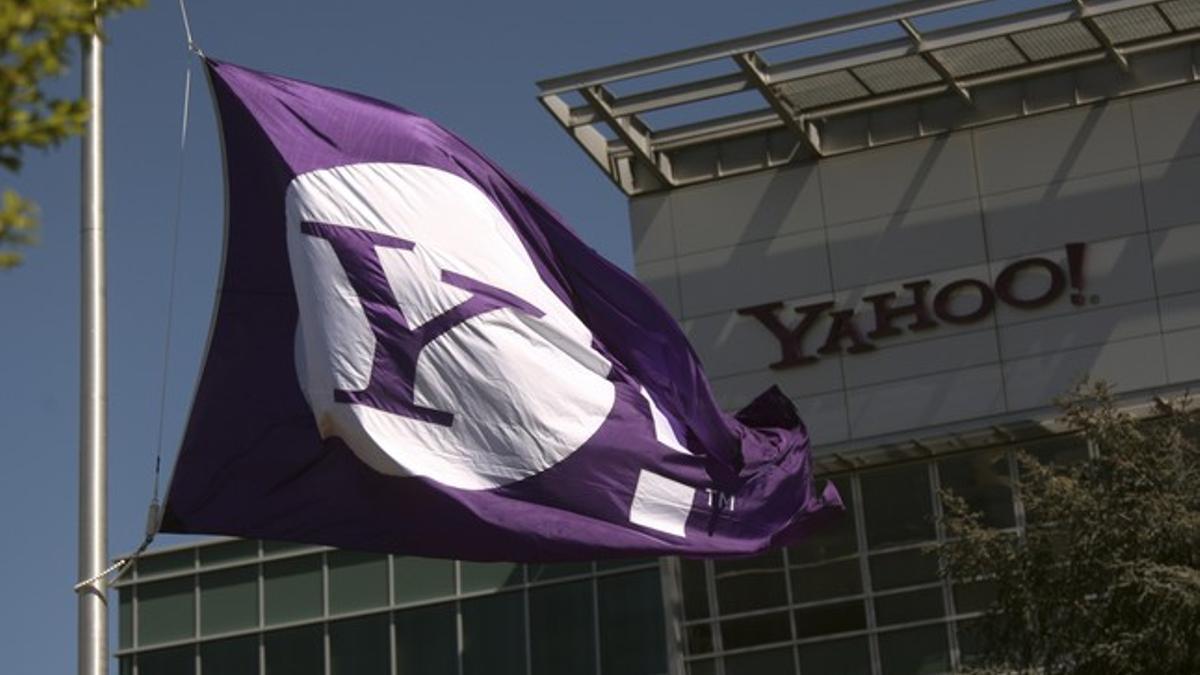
(251, 608)
(863, 597)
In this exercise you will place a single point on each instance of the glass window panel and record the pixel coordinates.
(175, 661)
(750, 583)
(494, 635)
(695, 589)
(699, 638)
(562, 629)
(982, 479)
(606, 565)
(238, 656)
(360, 646)
(974, 596)
(125, 665)
(125, 617)
(841, 617)
(419, 579)
(426, 640)
(903, 568)
(824, 582)
(632, 627)
(1061, 450)
(166, 611)
(915, 651)
(851, 656)
(755, 630)
(905, 607)
(228, 600)
(705, 667)
(774, 661)
(972, 642)
(357, 581)
(296, 651)
(834, 539)
(228, 552)
(897, 505)
(292, 589)
(546, 572)
(166, 563)
(489, 576)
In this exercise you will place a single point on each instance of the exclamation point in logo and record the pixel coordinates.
(1075, 273)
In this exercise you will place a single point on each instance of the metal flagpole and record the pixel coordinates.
(93, 432)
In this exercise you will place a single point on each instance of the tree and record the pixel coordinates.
(36, 39)
(1105, 578)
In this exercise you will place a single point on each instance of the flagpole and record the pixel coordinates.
(93, 432)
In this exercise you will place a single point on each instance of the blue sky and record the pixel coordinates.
(471, 66)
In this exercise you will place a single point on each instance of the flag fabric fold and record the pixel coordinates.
(411, 353)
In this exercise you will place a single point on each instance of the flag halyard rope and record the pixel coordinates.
(153, 516)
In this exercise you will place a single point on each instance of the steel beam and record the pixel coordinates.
(632, 132)
(792, 118)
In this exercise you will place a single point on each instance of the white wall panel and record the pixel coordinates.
(1055, 146)
(750, 208)
(1183, 355)
(1079, 329)
(1084, 209)
(1177, 259)
(1127, 365)
(1171, 193)
(899, 177)
(825, 418)
(907, 244)
(926, 401)
(652, 228)
(1180, 311)
(662, 277)
(822, 377)
(936, 353)
(751, 274)
(1167, 124)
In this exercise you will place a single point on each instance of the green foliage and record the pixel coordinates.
(1105, 578)
(36, 41)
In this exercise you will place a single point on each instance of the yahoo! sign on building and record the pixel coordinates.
(927, 310)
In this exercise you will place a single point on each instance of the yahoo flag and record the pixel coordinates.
(411, 353)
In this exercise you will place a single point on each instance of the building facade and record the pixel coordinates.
(924, 237)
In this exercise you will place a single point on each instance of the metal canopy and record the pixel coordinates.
(864, 73)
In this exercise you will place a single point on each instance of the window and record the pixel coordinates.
(357, 581)
(238, 656)
(632, 628)
(293, 589)
(360, 646)
(916, 651)
(897, 505)
(166, 611)
(562, 629)
(296, 651)
(176, 661)
(750, 583)
(228, 600)
(982, 479)
(844, 657)
(417, 579)
(489, 576)
(494, 635)
(426, 640)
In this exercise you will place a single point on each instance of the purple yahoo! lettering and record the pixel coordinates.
(397, 344)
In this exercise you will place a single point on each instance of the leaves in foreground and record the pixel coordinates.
(1105, 578)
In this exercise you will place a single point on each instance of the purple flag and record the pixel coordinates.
(411, 353)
